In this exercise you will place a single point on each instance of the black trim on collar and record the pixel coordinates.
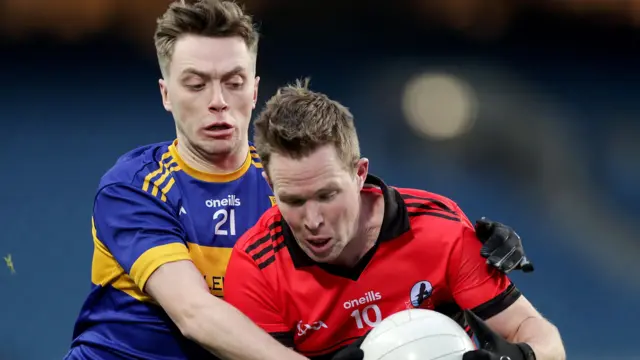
(394, 224)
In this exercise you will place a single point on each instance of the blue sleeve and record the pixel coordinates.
(140, 231)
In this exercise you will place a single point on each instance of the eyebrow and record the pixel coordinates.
(329, 187)
(191, 70)
(194, 71)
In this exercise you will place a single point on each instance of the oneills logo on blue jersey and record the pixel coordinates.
(230, 200)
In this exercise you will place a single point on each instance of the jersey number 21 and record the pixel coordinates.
(222, 216)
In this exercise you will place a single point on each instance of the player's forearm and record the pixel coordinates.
(226, 332)
(543, 337)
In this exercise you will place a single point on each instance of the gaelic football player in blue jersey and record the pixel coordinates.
(166, 215)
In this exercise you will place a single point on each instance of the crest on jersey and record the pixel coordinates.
(273, 200)
(420, 292)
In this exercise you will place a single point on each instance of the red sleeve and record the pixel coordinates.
(474, 284)
(247, 288)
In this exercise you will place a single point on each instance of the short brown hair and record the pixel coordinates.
(296, 121)
(213, 18)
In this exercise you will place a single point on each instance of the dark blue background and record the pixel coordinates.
(561, 141)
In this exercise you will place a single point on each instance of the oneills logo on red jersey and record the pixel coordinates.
(369, 296)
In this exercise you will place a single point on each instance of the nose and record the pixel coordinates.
(313, 218)
(217, 104)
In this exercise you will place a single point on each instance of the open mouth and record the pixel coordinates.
(319, 246)
(219, 130)
(319, 242)
(218, 127)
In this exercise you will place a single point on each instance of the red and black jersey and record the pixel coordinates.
(427, 256)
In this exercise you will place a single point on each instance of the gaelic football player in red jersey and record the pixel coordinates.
(343, 250)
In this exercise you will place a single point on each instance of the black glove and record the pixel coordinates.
(502, 247)
(352, 351)
(492, 345)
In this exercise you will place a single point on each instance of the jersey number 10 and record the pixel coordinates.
(364, 316)
(225, 215)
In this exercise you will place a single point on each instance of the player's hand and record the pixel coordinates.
(492, 345)
(352, 351)
(502, 247)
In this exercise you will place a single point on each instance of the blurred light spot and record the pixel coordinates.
(439, 106)
(9, 261)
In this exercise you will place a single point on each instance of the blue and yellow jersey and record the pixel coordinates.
(151, 208)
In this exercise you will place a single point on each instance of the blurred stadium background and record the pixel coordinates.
(523, 111)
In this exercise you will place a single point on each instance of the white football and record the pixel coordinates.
(417, 334)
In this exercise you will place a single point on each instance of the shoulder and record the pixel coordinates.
(129, 196)
(263, 240)
(138, 167)
(427, 200)
(434, 213)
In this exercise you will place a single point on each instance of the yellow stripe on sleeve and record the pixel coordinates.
(151, 175)
(155, 257)
(168, 186)
(106, 271)
(167, 171)
(104, 268)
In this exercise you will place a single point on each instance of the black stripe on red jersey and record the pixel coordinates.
(419, 206)
(484, 311)
(272, 258)
(256, 244)
(429, 201)
(431, 213)
(269, 247)
(498, 303)
(269, 250)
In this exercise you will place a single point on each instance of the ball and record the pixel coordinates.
(417, 334)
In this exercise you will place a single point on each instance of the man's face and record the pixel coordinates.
(211, 90)
(319, 199)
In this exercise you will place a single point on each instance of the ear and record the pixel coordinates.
(266, 178)
(362, 170)
(164, 92)
(255, 91)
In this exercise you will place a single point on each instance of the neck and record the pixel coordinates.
(367, 229)
(213, 164)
